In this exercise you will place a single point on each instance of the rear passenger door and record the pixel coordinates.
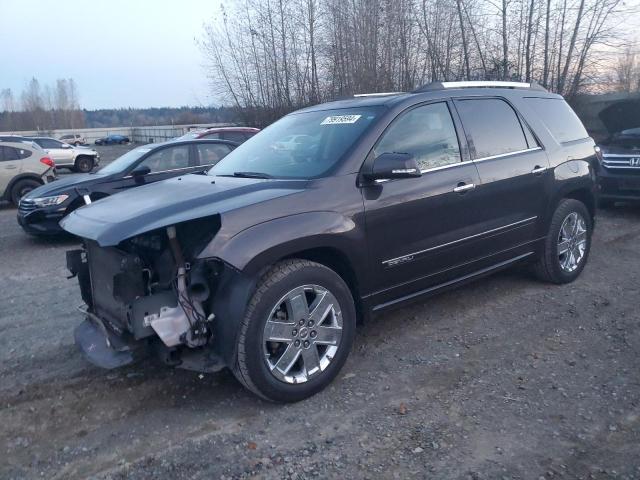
(10, 166)
(515, 179)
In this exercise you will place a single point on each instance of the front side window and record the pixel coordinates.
(212, 153)
(48, 143)
(322, 140)
(171, 158)
(427, 133)
(492, 126)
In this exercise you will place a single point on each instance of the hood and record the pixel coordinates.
(621, 115)
(139, 210)
(62, 185)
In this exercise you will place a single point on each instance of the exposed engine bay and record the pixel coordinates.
(149, 294)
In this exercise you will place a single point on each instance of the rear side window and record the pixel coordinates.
(559, 118)
(238, 137)
(214, 135)
(8, 153)
(492, 126)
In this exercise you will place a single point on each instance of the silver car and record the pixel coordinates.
(78, 159)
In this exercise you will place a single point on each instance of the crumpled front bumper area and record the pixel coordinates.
(103, 348)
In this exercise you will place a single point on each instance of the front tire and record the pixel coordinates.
(296, 333)
(83, 164)
(21, 188)
(567, 245)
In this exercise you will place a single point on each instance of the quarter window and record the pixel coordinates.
(212, 153)
(171, 158)
(492, 126)
(559, 118)
(427, 133)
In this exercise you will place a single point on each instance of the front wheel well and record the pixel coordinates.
(338, 262)
(585, 196)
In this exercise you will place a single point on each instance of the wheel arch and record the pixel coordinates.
(22, 176)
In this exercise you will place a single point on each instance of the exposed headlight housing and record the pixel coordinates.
(50, 201)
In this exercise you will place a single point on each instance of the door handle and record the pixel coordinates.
(537, 170)
(464, 187)
(10, 167)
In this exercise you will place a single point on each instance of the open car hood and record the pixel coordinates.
(621, 115)
(138, 210)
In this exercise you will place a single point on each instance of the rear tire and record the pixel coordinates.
(567, 245)
(21, 188)
(287, 348)
(83, 164)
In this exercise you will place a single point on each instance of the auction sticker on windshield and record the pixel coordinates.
(339, 119)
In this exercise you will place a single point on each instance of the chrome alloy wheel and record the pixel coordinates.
(302, 333)
(572, 242)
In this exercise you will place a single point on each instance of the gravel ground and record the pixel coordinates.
(503, 378)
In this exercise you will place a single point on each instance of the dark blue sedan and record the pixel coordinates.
(112, 140)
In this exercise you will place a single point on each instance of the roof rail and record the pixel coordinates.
(377, 94)
(479, 84)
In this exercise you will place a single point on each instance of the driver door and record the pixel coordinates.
(421, 230)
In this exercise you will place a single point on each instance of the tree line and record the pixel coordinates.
(41, 107)
(268, 57)
(58, 107)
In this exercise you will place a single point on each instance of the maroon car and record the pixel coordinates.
(233, 134)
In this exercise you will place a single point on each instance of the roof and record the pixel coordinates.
(433, 91)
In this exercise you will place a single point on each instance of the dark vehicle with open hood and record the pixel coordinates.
(40, 211)
(265, 264)
(619, 169)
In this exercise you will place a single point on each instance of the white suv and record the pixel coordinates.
(23, 167)
(73, 139)
(78, 159)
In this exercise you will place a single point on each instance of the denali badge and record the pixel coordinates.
(634, 162)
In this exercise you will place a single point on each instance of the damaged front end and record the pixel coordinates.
(150, 294)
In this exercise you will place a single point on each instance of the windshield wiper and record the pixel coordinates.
(250, 175)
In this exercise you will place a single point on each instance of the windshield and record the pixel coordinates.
(302, 145)
(120, 164)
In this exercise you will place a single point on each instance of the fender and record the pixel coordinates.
(21, 176)
(256, 247)
(569, 177)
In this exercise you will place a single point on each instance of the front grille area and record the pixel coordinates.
(26, 206)
(622, 162)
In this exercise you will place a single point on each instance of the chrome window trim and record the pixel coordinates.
(395, 260)
(501, 155)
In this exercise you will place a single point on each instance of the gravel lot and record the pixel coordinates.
(504, 378)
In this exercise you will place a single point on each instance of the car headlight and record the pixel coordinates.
(49, 201)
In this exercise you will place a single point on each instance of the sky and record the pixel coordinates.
(120, 53)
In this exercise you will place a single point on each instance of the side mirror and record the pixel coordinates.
(139, 172)
(66, 145)
(388, 166)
